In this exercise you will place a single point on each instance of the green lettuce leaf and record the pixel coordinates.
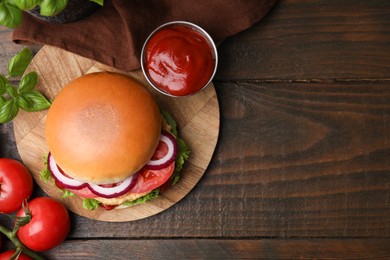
(45, 174)
(182, 156)
(67, 193)
(170, 121)
(151, 195)
(183, 150)
(90, 204)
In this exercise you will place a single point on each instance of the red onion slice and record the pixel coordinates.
(169, 157)
(65, 181)
(116, 190)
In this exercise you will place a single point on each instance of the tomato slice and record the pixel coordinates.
(149, 180)
(161, 151)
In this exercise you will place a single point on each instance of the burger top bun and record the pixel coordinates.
(103, 127)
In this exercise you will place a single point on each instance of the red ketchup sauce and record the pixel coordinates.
(179, 60)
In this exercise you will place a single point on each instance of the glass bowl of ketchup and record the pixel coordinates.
(179, 59)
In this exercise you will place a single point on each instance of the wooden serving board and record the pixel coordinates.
(197, 117)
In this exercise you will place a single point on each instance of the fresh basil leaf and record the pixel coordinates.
(26, 4)
(3, 83)
(90, 204)
(28, 82)
(50, 7)
(18, 63)
(2, 100)
(24, 103)
(37, 100)
(8, 110)
(11, 90)
(99, 2)
(10, 15)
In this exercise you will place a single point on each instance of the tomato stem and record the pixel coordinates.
(18, 244)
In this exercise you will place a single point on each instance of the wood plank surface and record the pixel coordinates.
(312, 40)
(223, 249)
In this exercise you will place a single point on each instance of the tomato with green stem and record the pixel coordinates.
(16, 185)
(49, 225)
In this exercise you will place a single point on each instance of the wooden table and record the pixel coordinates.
(302, 165)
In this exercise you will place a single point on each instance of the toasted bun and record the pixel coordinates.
(103, 127)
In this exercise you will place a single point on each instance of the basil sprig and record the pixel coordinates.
(23, 96)
(11, 11)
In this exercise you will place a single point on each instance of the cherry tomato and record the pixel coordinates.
(48, 227)
(16, 185)
(7, 255)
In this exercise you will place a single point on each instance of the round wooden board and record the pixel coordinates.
(197, 117)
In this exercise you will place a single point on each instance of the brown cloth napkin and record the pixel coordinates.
(115, 33)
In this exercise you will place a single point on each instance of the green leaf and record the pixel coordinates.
(10, 15)
(26, 4)
(2, 100)
(182, 156)
(23, 220)
(45, 174)
(170, 121)
(99, 2)
(150, 196)
(183, 150)
(67, 193)
(37, 100)
(3, 83)
(50, 7)
(18, 63)
(8, 110)
(90, 204)
(28, 82)
(24, 103)
(11, 90)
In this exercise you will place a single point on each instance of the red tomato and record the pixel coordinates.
(149, 180)
(161, 151)
(16, 185)
(7, 255)
(48, 227)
